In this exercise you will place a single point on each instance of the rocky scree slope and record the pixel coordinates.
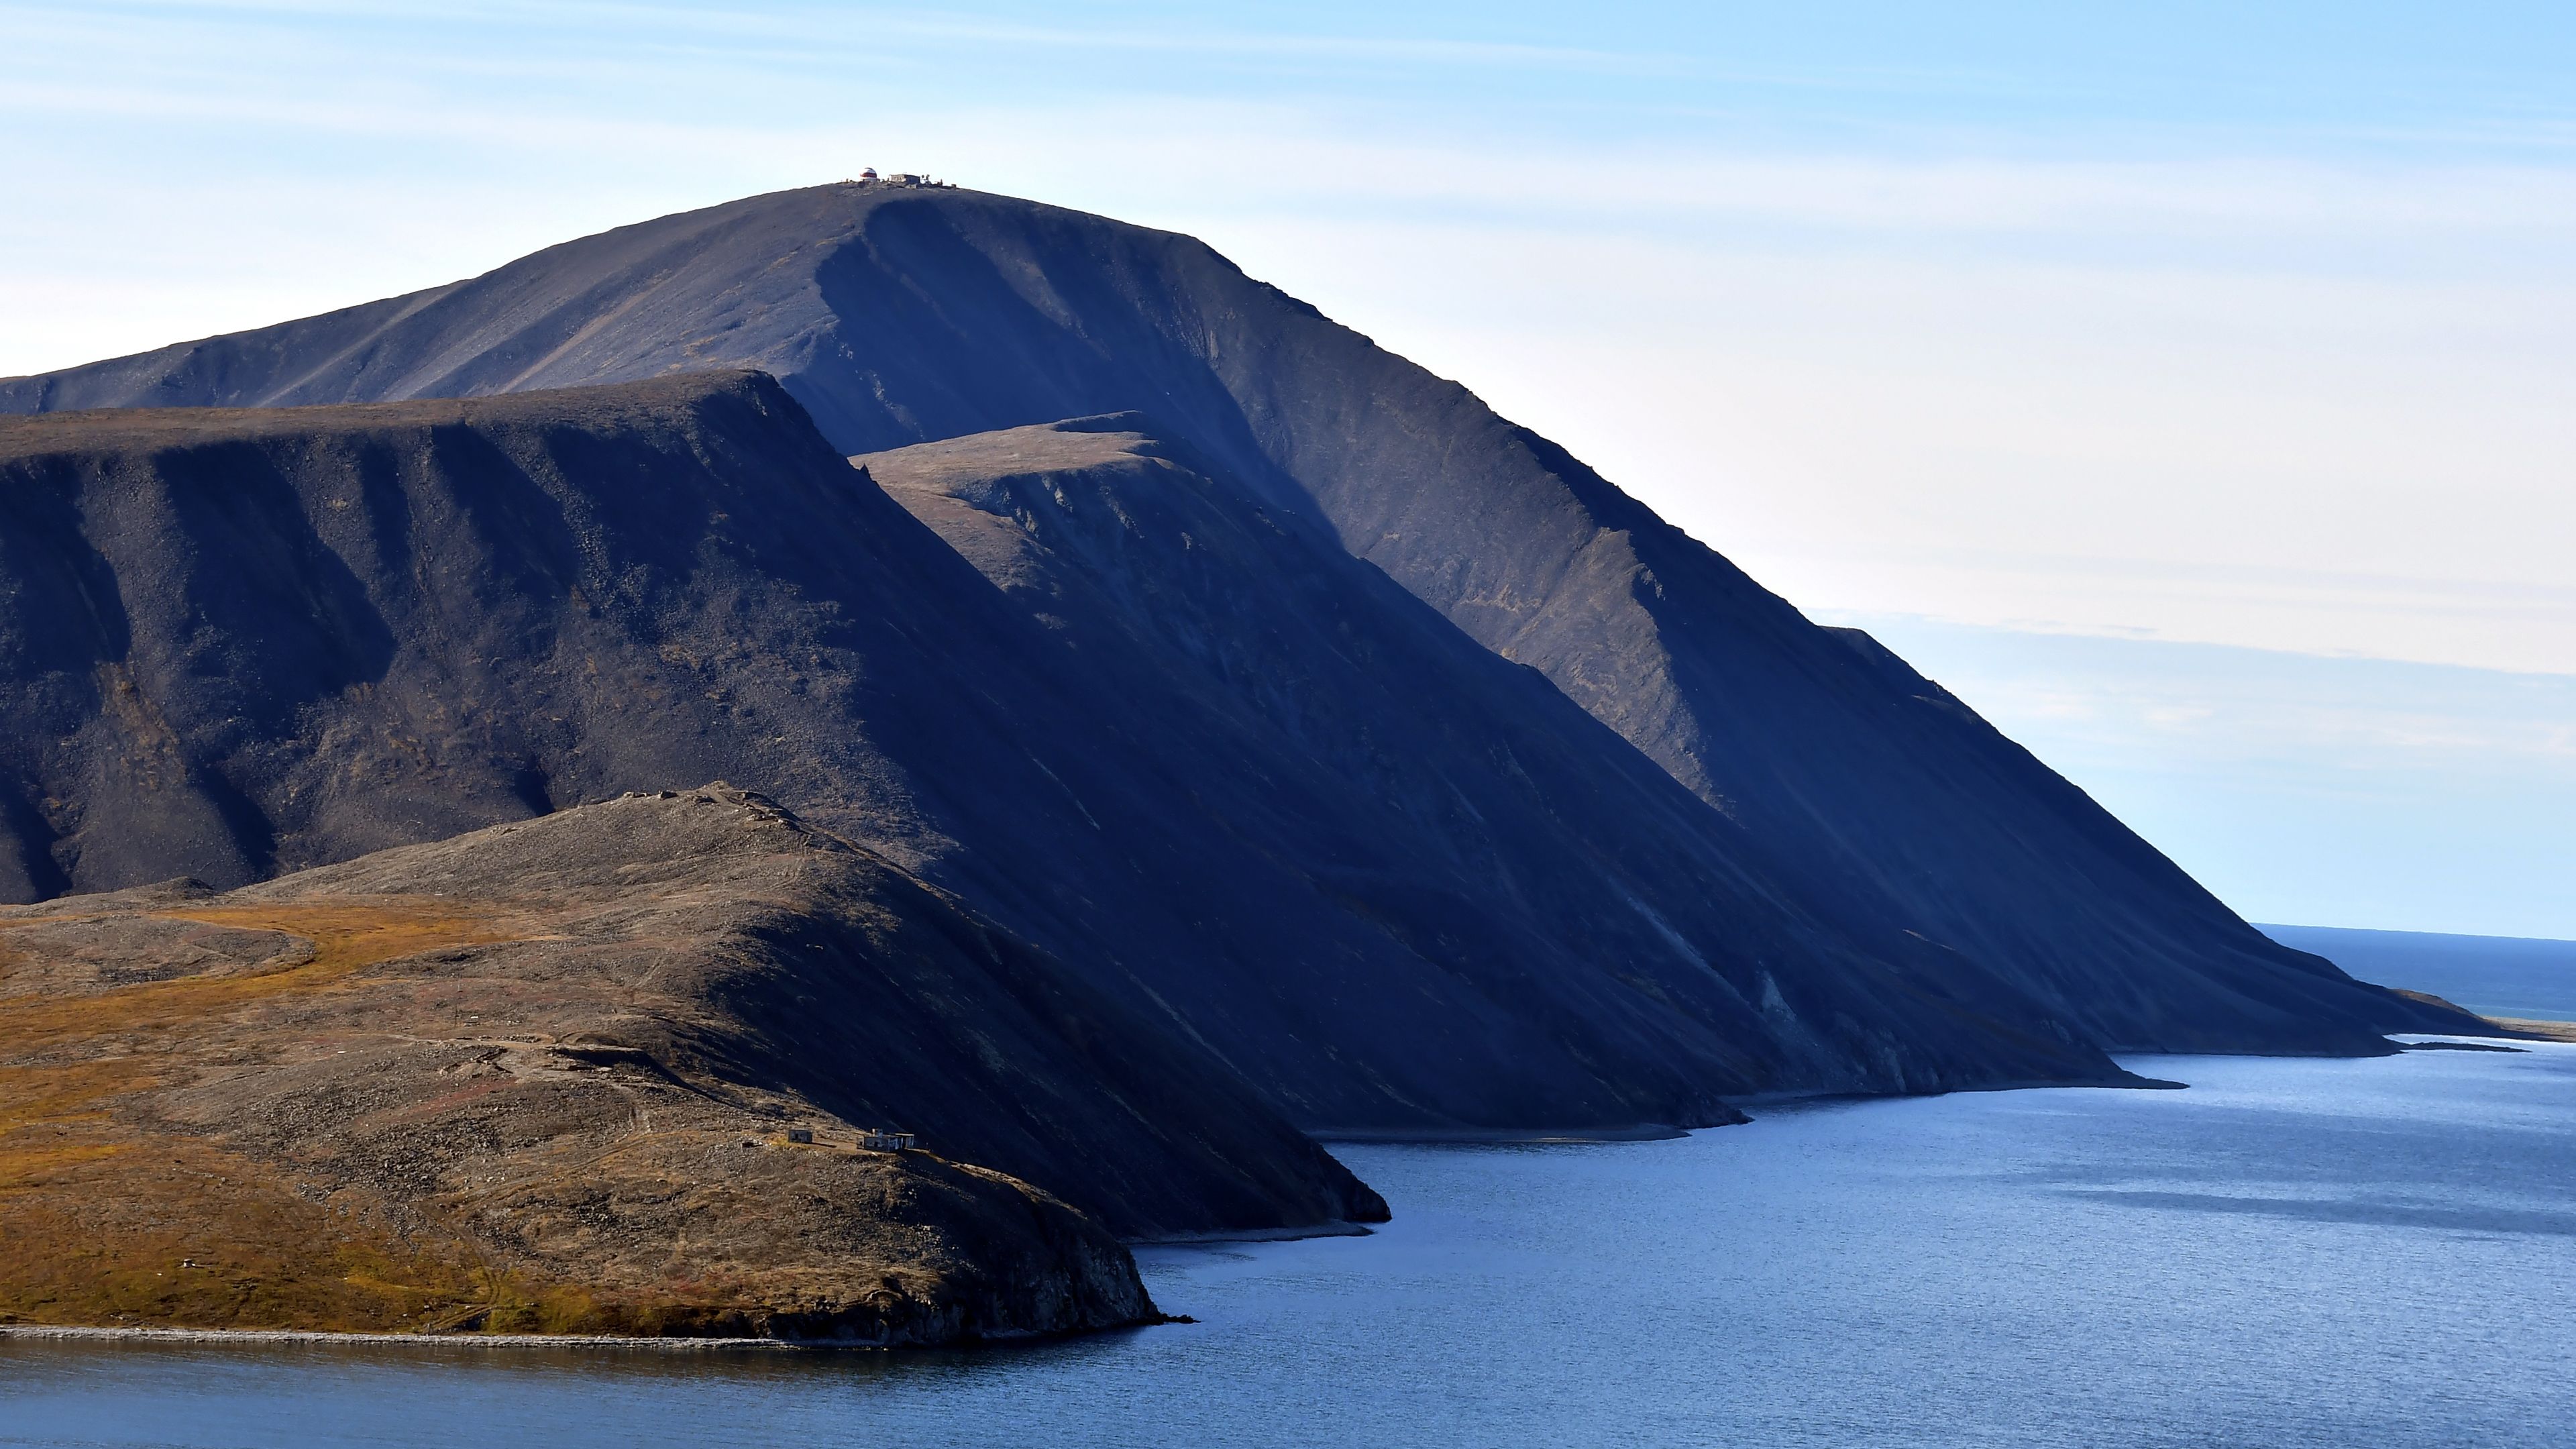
(539, 1077)
(900, 315)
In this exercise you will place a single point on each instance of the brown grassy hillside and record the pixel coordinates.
(536, 1078)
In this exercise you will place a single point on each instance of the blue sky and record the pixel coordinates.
(2090, 351)
(2355, 791)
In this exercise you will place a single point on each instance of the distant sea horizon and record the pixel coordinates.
(2510, 976)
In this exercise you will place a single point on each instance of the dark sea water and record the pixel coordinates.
(2290, 1253)
(2494, 975)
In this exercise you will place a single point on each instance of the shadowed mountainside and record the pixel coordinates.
(1453, 799)
(1229, 777)
(538, 1078)
(900, 315)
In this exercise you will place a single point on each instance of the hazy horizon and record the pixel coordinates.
(2258, 770)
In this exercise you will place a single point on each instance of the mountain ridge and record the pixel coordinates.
(898, 316)
(1274, 804)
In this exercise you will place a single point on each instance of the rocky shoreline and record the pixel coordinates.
(317, 1338)
(285, 1337)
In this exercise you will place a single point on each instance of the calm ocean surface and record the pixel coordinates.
(2494, 975)
(2290, 1253)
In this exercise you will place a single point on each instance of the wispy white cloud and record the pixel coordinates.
(692, 41)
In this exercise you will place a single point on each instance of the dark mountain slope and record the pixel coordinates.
(1385, 877)
(238, 641)
(899, 315)
(1454, 799)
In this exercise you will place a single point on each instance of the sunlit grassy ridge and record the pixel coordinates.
(531, 1079)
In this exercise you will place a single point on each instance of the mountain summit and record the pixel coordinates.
(901, 315)
(1162, 728)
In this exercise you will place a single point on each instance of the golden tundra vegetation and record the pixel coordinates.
(442, 1089)
(109, 1218)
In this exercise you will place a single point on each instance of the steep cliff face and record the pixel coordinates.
(542, 1077)
(900, 315)
(1215, 769)
(1547, 875)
